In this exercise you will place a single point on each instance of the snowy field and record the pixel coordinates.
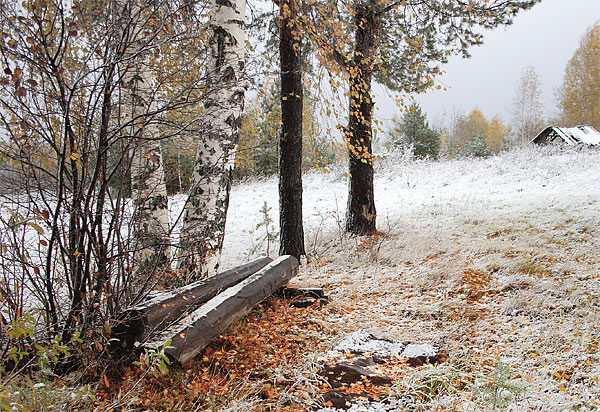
(497, 261)
(431, 197)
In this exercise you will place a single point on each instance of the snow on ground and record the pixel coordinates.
(431, 197)
(494, 260)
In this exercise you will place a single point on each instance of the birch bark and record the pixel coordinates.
(206, 208)
(149, 192)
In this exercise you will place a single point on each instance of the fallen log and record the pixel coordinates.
(196, 331)
(305, 303)
(315, 293)
(303, 297)
(143, 321)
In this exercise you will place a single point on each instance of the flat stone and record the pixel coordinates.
(363, 342)
(372, 351)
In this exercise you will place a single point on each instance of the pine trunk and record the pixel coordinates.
(290, 141)
(149, 192)
(360, 213)
(206, 208)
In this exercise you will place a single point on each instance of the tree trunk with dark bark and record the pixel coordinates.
(361, 214)
(290, 140)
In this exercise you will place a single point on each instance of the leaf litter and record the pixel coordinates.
(495, 261)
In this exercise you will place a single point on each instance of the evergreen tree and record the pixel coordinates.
(477, 147)
(401, 45)
(290, 138)
(414, 131)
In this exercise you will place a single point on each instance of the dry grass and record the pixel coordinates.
(517, 298)
(496, 261)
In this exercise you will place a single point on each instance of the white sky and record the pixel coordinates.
(545, 37)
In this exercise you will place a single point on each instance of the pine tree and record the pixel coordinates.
(477, 147)
(400, 44)
(414, 131)
(290, 138)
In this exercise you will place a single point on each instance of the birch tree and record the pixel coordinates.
(78, 80)
(496, 135)
(151, 213)
(206, 207)
(579, 95)
(527, 106)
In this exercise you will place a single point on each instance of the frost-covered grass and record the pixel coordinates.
(494, 260)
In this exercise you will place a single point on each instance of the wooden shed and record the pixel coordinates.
(585, 135)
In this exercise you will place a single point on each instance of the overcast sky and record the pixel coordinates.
(545, 37)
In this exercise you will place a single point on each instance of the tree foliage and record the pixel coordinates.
(65, 229)
(411, 38)
(475, 135)
(179, 154)
(476, 146)
(579, 95)
(497, 134)
(413, 131)
(257, 152)
(400, 44)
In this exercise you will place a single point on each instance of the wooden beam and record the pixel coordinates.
(197, 330)
(143, 321)
(315, 293)
(303, 297)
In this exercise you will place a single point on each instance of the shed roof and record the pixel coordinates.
(570, 135)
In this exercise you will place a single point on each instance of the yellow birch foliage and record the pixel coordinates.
(496, 134)
(579, 95)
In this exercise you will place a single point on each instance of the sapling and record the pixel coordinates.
(500, 391)
(270, 235)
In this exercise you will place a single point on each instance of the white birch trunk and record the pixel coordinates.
(206, 209)
(149, 192)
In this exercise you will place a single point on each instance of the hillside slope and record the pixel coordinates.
(495, 260)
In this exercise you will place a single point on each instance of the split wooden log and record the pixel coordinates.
(143, 321)
(197, 330)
